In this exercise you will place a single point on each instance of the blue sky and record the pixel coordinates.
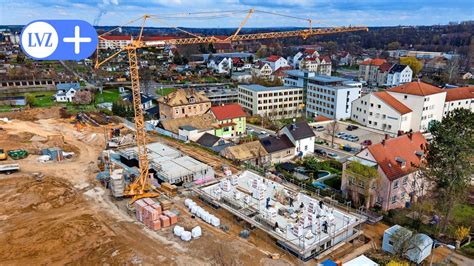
(324, 12)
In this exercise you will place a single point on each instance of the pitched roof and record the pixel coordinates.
(402, 148)
(392, 102)
(374, 62)
(385, 67)
(182, 96)
(416, 88)
(273, 58)
(300, 130)
(457, 94)
(229, 111)
(246, 151)
(204, 121)
(276, 143)
(208, 140)
(397, 68)
(325, 58)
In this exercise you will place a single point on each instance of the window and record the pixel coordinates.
(395, 184)
(405, 180)
(306, 147)
(405, 97)
(394, 199)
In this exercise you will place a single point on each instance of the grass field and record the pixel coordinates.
(107, 96)
(165, 91)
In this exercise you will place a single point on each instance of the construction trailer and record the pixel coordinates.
(169, 165)
(307, 227)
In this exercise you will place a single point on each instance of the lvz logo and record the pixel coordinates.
(59, 40)
(34, 39)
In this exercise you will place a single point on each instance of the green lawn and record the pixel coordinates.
(43, 98)
(107, 96)
(165, 91)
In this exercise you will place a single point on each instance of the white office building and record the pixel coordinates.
(276, 102)
(325, 95)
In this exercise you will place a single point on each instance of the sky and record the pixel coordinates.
(171, 12)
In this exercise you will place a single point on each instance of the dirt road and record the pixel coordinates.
(69, 218)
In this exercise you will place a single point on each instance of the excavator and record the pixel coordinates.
(141, 186)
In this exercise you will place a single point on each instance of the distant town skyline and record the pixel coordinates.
(323, 12)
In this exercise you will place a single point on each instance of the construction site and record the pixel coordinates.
(89, 189)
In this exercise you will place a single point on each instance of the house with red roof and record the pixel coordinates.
(231, 120)
(321, 65)
(387, 174)
(276, 62)
(408, 107)
(369, 69)
(459, 98)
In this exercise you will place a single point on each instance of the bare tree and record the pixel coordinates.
(331, 130)
(453, 69)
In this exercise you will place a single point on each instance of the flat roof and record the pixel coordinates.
(260, 88)
(312, 76)
(301, 225)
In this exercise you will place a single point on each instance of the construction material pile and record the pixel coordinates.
(151, 215)
(201, 213)
(195, 233)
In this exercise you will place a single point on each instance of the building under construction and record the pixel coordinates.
(307, 227)
(167, 164)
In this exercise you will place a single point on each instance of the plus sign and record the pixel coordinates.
(77, 39)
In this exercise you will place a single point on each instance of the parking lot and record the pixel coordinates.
(362, 133)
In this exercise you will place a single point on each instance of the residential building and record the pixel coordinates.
(203, 123)
(399, 74)
(345, 59)
(382, 111)
(459, 98)
(183, 103)
(276, 62)
(303, 54)
(262, 69)
(231, 121)
(252, 153)
(114, 42)
(279, 148)
(213, 142)
(276, 102)
(221, 65)
(320, 65)
(369, 69)
(408, 107)
(325, 95)
(425, 100)
(382, 74)
(301, 135)
(386, 174)
(65, 92)
(147, 101)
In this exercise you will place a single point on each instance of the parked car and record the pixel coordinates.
(319, 128)
(333, 155)
(353, 138)
(320, 152)
(352, 127)
(366, 142)
(341, 134)
(263, 132)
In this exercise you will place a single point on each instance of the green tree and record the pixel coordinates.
(393, 46)
(414, 64)
(449, 160)
(30, 99)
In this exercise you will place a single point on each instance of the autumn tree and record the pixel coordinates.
(449, 160)
(414, 64)
(393, 46)
(82, 97)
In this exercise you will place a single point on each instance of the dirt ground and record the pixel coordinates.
(68, 218)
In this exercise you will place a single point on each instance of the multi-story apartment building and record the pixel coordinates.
(369, 70)
(325, 95)
(386, 174)
(276, 102)
(399, 74)
(411, 106)
(321, 65)
(114, 42)
(183, 103)
(459, 98)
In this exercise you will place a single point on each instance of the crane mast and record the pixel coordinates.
(141, 186)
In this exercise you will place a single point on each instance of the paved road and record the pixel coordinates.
(258, 129)
(342, 154)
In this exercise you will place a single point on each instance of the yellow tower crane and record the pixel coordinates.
(141, 187)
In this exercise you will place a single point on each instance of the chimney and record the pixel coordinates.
(383, 142)
(410, 136)
(386, 136)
